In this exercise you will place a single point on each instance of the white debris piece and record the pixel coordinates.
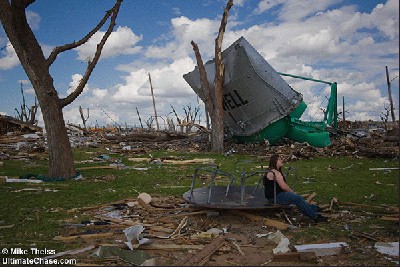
(281, 240)
(326, 249)
(391, 248)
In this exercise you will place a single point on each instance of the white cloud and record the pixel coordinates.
(184, 30)
(386, 18)
(99, 93)
(76, 78)
(9, 58)
(294, 10)
(121, 42)
(167, 83)
(33, 19)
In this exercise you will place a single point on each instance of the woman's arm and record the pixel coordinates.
(281, 182)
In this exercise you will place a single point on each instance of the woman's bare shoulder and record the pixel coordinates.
(271, 174)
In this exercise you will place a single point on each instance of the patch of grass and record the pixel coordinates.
(38, 215)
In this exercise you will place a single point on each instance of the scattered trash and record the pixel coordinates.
(281, 240)
(14, 180)
(136, 257)
(133, 233)
(326, 249)
(388, 248)
(215, 231)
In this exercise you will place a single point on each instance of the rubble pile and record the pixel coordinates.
(344, 143)
(168, 232)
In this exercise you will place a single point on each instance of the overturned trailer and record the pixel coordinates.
(258, 103)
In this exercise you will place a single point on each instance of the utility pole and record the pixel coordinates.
(390, 95)
(344, 116)
(154, 103)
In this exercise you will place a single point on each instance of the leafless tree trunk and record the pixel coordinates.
(36, 66)
(84, 120)
(213, 100)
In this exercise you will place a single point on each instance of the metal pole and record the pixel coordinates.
(304, 78)
(344, 116)
(331, 111)
(390, 95)
(154, 103)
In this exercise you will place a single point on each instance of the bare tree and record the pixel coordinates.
(26, 114)
(213, 100)
(385, 117)
(84, 120)
(37, 67)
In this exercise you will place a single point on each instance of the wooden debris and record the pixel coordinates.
(333, 201)
(139, 159)
(7, 226)
(237, 246)
(367, 236)
(9, 124)
(204, 255)
(277, 224)
(190, 161)
(12, 180)
(394, 209)
(97, 167)
(71, 252)
(296, 257)
(383, 169)
(85, 237)
(155, 246)
(144, 199)
(394, 217)
(265, 221)
(310, 197)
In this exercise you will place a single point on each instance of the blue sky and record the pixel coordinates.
(349, 42)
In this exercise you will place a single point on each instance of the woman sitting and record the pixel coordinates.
(284, 194)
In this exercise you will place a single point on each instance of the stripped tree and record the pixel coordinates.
(213, 99)
(37, 67)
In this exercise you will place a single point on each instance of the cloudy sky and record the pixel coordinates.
(345, 41)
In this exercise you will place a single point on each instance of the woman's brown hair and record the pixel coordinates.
(273, 161)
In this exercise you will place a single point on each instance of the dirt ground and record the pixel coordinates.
(180, 235)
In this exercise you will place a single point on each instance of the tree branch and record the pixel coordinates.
(22, 3)
(219, 67)
(206, 94)
(63, 48)
(92, 64)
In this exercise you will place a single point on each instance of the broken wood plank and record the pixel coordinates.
(96, 167)
(265, 221)
(310, 197)
(155, 246)
(190, 161)
(277, 224)
(383, 169)
(139, 159)
(88, 236)
(394, 217)
(204, 255)
(71, 252)
(187, 214)
(367, 236)
(296, 257)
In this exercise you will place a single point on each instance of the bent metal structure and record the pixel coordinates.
(259, 104)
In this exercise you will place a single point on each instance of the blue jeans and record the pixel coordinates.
(288, 198)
